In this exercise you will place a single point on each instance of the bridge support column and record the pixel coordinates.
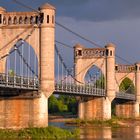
(47, 33)
(94, 108)
(106, 109)
(127, 110)
(23, 113)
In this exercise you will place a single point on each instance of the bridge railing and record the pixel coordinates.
(127, 96)
(88, 90)
(79, 89)
(18, 82)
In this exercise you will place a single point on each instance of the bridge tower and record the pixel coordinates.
(47, 50)
(127, 108)
(96, 107)
(31, 107)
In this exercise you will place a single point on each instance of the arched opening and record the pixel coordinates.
(37, 20)
(32, 21)
(15, 20)
(127, 86)
(22, 60)
(26, 20)
(94, 77)
(4, 20)
(0, 18)
(20, 20)
(9, 20)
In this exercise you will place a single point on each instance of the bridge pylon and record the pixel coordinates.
(47, 30)
(137, 83)
(22, 108)
(110, 71)
(104, 59)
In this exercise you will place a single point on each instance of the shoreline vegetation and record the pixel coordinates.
(52, 132)
(49, 132)
(114, 122)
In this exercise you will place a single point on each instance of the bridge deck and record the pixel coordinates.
(86, 90)
(24, 83)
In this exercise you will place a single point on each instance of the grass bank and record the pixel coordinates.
(114, 122)
(39, 133)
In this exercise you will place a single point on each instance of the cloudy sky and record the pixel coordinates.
(102, 21)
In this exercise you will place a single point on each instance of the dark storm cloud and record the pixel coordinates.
(99, 10)
(91, 10)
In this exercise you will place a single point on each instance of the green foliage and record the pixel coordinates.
(62, 104)
(11, 72)
(70, 102)
(39, 133)
(127, 86)
(56, 105)
(112, 122)
(100, 83)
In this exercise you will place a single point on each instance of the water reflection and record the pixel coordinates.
(100, 133)
(105, 133)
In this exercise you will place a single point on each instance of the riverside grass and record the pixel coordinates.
(47, 133)
(111, 122)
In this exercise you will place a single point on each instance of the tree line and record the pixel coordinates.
(62, 104)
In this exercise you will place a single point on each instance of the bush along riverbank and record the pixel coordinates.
(39, 133)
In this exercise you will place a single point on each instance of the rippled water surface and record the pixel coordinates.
(104, 133)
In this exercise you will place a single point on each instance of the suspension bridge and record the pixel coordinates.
(33, 68)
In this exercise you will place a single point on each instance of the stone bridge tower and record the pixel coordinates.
(85, 58)
(20, 112)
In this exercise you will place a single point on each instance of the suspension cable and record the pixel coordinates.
(69, 30)
(20, 54)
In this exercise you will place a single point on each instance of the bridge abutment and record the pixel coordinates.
(23, 113)
(94, 108)
(127, 110)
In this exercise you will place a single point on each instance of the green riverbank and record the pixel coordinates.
(39, 133)
(114, 122)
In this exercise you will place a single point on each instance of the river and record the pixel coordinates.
(104, 133)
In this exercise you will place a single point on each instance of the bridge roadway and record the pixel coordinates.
(32, 84)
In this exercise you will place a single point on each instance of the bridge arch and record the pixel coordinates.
(121, 76)
(94, 76)
(22, 60)
(30, 35)
(127, 85)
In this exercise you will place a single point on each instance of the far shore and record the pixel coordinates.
(72, 120)
(61, 118)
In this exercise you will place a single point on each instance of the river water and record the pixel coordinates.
(104, 133)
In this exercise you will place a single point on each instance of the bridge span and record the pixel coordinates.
(32, 68)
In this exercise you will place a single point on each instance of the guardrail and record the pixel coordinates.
(87, 90)
(18, 82)
(79, 89)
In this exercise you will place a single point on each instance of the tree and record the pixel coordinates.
(100, 83)
(62, 104)
(53, 104)
(71, 103)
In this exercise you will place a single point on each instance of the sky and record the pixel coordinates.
(102, 21)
